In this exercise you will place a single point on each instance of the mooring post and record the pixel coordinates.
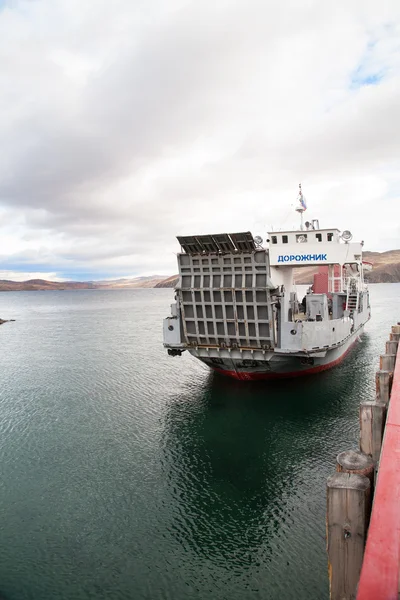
(372, 425)
(387, 362)
(391, 347)
(383, 380)
(355, 463)
(350, 490)
(347, 517)
(379, 578)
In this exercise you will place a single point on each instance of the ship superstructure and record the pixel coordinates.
(236, 305)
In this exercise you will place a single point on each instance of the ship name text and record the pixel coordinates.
(301, 257)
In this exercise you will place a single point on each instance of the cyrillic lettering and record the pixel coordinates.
(299, 257)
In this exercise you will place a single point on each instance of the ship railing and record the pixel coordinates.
(335, 284)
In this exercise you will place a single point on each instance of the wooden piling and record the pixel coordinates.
(355, 463)
(387, 362)
(391, 347)
(383, 381)
(348, 512)
(379, 578)
(350, 490)
(372, 425)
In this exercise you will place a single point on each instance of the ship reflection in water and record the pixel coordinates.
(246, 466)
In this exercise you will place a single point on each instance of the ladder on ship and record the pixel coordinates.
(352, 296)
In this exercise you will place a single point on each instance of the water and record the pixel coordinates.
(127, 474)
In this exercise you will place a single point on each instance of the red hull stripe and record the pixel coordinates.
(380, 570)
(246, 376)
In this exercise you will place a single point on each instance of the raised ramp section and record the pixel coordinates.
(217, 242)
(224, 292)
(380, 571)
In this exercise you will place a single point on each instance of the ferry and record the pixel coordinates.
(237, 307)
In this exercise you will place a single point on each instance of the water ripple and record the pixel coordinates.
(128, 474)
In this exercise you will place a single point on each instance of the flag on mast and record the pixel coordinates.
(301, 198)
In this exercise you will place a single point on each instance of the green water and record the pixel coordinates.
(127, 474)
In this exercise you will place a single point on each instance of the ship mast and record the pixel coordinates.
(302, 206)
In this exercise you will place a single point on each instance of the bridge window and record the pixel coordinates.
(329, 236)
(274, 239)
(301, 238)
(319, 237)
(284, 239)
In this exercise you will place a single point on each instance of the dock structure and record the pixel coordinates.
(363, 496)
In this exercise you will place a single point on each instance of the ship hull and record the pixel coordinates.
(285, 366)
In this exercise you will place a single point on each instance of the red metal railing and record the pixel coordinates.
(380, 570)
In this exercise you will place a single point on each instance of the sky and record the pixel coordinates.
(126, 123)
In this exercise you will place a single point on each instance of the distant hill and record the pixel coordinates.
(305, 275)
(386, 266)
(386, 269)
(43, 284)
(136, 282)
(170, 282)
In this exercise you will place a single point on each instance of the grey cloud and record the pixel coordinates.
(152, 99)
(195, 117)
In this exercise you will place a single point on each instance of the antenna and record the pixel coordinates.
(301, 207)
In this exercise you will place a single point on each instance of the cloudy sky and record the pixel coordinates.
(126, 123)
